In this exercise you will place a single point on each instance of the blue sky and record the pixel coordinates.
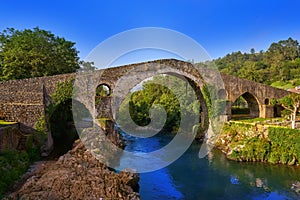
(219, 26)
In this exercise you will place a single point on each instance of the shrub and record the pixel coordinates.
(248, 144)
(13, 164)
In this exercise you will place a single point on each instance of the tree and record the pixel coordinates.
(33, 53)
(282, 51)
(279, 63)
(87, 66)
(292, 104)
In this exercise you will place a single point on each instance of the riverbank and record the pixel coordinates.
(77, 175)
(260, 143)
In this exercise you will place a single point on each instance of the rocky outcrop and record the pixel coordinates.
(12, 138)
(77, 175)
(242, 141)
(296, 187)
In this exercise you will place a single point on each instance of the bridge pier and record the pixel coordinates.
(266, 111)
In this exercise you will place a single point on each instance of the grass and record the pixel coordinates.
(102, 121)
(287, 84)
(251, 120)
(14, 163)
(262, 121)
(4, 123)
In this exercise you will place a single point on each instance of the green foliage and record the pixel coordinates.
(32, 53)
(285, 146)
(4, 123)
(155, 93)
(152, 93)
(40, 125)
(63, 92)
(215, 106)
(206, 95)
(61, 122)
(252, 120)
(287, 84)
(13, 164)
(279, 65)
(102, 90)
(240, 102)
(282, 145)
(291, 104)
(273, 102)
(87, 66)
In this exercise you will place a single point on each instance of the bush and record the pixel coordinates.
(285, 146)
(282, 145)
(13, 164)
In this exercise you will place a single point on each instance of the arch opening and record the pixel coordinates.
(103, 90)
(62, 127)
(164, 89)
(102, 101)
(267, 101)
(245, 106)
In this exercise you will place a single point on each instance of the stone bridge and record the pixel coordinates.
(25, 100)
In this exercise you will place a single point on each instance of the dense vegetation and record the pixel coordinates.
(291, 104)
(33, 53)
(13, 163)
(279, 66)
(245, 142)
(153, 93)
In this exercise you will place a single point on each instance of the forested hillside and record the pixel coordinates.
(279, 66)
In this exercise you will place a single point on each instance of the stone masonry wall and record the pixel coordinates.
(22, 100)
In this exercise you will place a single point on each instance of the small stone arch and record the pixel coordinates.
(267, 101)
(253, 105)
(103, 90)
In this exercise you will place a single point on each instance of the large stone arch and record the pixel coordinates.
(131, 75)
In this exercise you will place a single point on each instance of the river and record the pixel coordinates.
(213, 177)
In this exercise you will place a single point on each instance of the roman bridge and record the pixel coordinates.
(26, 100)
